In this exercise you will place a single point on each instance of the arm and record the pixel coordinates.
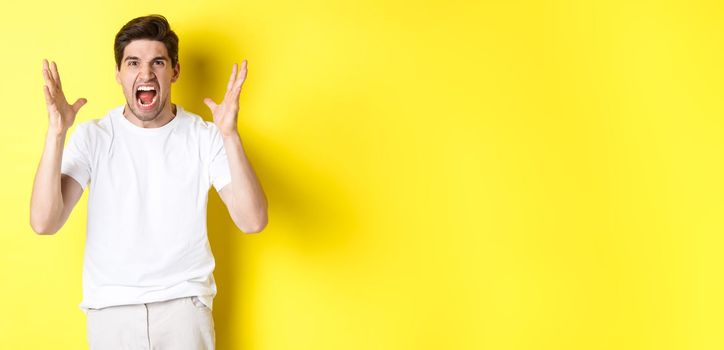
(243, 197)
(54, 195)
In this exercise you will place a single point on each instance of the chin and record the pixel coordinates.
(144, 115)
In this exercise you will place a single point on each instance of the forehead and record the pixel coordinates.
(144, 48)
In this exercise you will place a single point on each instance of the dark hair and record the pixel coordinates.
(152, 27)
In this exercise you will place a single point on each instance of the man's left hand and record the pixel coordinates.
(225, 113)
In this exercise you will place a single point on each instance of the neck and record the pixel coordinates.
(166, 115)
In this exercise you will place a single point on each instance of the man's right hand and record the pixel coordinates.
(61, 114)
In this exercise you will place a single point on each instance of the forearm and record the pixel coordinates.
(46, 203)
(248, 204)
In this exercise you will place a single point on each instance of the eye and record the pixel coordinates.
(159, 62)
(132, 63)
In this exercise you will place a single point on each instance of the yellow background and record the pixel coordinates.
(441, 174)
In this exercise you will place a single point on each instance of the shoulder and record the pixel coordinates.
(196, 124)
(94, 129)
(206, 133)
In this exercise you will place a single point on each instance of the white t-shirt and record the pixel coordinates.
(146, 236)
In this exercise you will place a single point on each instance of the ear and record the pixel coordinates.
(118, 75)
(176, 72)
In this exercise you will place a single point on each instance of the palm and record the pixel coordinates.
(225, 113)
(61, 114)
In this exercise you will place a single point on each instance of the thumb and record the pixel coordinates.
(209, 102)
(78, 104)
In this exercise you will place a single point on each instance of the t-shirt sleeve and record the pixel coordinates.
(219, 164)
(76, 157)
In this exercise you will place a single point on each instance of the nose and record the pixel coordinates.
(146, 73)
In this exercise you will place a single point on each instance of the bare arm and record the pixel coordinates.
(54, 195)
(244, 197)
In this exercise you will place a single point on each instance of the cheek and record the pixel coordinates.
(129, 89)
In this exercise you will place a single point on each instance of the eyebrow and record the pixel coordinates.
(153, 59)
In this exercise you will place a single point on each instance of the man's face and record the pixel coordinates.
(146, 75)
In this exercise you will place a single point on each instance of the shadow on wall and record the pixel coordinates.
(309, 201)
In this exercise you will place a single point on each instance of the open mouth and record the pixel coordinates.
(146, 96)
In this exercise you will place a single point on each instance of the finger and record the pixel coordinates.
(56, 76)
(49, 82)
(48, 98)
(241, 77)
(46, 69)
(242, 71)
(231, 78)
(243, 68)
(212, 105)
(78, 104)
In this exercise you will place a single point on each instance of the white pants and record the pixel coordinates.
(184, 323)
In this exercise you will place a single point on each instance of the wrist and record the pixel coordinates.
(54, 140)
(231, 134)
(52, 135)
(56, 127)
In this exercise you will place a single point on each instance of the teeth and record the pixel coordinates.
(146, 88)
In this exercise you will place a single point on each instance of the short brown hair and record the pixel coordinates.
(152, 27)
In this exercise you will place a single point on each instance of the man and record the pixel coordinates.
(149, 164)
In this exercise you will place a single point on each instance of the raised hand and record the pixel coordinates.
(61, 114)
(225, 113)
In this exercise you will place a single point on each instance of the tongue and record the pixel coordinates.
(146, 96)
